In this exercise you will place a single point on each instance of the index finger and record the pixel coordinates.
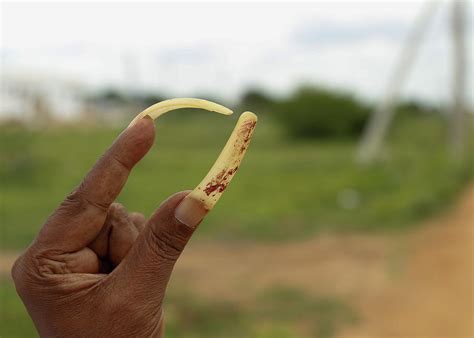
(79, 218)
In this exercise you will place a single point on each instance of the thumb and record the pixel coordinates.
(149, 264)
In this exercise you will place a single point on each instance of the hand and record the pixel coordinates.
(94, 270)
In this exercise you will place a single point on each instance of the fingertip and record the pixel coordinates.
(117, 210)
(136, 141)
(174, 200)
(83, 261)
(144, 121)
(143, 130)
(168, 206)
(115, 207)
(138, 219)
(190, 212)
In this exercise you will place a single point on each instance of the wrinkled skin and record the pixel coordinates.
(94, 270)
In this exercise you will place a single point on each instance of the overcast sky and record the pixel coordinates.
(183, 49)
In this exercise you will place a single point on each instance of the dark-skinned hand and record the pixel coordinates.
(96, 271)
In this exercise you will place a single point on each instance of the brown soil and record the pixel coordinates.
(416, 284)
(433, 297)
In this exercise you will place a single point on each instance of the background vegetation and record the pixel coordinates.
(321, 114)
(314, 184)
(299, 179)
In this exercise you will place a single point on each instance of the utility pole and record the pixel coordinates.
(376, 129)
(458, 130)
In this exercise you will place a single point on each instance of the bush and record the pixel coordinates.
(320, 113)
(410, 108)
(256, 100)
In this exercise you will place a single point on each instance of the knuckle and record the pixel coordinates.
(137, 217)
(50, 263)
(21, 274)
(77, 201)
(166, 244)
(33, 269)
(16, 270)
(116, 207)
(75, 198)
(121, 163)
(117, 217)
(72, 204)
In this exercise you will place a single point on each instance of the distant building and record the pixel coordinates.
(36, 99)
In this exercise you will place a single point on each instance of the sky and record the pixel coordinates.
(221, 49)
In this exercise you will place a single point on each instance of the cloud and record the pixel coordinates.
(183, 49)
(330, 32)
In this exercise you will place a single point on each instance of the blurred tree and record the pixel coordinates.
(320, 113)
(257, 100)
(149, 99)
(109, 95)
(415, 107)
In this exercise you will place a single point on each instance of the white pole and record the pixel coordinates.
(458, 109)
(374, 133)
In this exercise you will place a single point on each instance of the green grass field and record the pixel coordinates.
(279, 312)
(284, 189)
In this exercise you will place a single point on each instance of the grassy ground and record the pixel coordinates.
(280, 312)
(14, 320)
(283, 190)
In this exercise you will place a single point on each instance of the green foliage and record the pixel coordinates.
(147, 99)
(257, 100)
(321, 316)
(322, 114)
(283, 190)
(20, 163)
(277, 312)
(110, 95)
(114, 97)
(14, 320)
(280, 312)
(409, 108)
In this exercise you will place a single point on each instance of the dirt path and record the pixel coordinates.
(6, 262)
(434, 296)
(417, 284)
(341, 266)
